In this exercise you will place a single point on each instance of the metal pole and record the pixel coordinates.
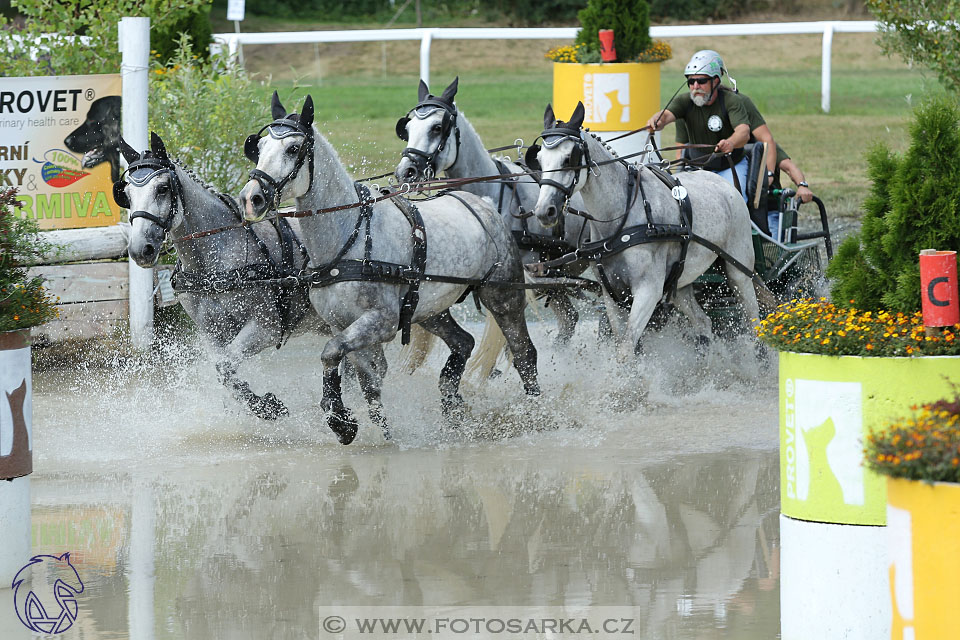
(425, 55)
(825, 67)
(135, 47)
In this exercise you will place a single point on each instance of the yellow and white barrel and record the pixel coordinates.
(834, 572)
(16, 448)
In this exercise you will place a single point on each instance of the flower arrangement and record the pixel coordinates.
(821, 327)
(658, 51)
(24, 302)
(630, 22)
(924, 447)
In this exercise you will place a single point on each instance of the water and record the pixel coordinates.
(654, 486)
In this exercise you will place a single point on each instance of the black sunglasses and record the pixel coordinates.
(701, 81)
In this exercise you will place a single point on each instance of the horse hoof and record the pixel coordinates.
(495, 373)
(453, 407)
(268, 407)
(533, 390)
(343, 425)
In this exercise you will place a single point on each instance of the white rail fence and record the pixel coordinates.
(233, 41)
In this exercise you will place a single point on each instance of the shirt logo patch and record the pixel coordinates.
(714, 123)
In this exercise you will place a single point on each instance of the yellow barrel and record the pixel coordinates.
(617, 96)
(924, 553)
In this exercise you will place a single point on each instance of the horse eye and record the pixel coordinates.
(436, 128)
(293, 149)
(163, 189)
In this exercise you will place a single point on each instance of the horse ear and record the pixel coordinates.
(423, 91)
(157, 146)
(450, 91)
(548, 118)
(306, 114)
(576, 120)
(129, 153)
(276, 109)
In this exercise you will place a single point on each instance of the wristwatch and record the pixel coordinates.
(803, 183)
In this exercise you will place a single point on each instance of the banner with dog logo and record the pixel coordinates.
(59, 146)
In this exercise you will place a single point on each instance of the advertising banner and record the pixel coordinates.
(59, 146)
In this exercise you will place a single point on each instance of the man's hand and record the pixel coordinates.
(805, 194)
(724, 146)
(660, 119)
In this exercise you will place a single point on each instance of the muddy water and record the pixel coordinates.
(187, 518)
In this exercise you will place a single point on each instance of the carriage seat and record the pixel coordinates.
(757, 189)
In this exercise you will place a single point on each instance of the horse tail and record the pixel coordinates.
(487, 353)
(414, 354)
(765, 298)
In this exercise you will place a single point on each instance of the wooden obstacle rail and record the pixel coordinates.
(93, 285)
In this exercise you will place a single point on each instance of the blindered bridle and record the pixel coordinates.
(426, 163)
(579, 157)
(278, 129)
(149, 166)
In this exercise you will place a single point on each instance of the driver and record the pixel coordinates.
(713, 115)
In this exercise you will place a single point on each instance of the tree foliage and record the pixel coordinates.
(922, 32)
(629, 19)
(914, 204)
(39, 48)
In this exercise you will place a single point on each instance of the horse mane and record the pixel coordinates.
(196, 178)
(602, 143)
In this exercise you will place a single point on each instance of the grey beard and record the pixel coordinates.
(699, 100)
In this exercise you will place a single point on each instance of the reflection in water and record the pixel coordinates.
(233, 529)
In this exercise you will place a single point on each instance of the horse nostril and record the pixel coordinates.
(148, 250)
(551, 212)
(257, 201)
(409, 174)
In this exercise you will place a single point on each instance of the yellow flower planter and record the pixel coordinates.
(924, 541)
(827, 405)
(619, 96)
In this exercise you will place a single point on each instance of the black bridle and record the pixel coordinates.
(157, 164)
(579, 157)
(288, 126)
(426, 163)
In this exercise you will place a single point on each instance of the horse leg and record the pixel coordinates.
(461, 344)
(371, 328)
(251, 339)
(646, 295)
(743, 285)
(507, 307)
(369, 367)
(567, 317)
(700, 321)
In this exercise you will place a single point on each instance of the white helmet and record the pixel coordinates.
(709, 63)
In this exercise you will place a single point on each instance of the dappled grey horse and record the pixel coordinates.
(644, 243)
(439, 138)
(380, 265)
(221, 265)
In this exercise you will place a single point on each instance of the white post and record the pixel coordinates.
(425, 55)
(141, 572)
(825, 67)
(135, 47)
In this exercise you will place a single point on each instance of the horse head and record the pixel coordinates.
(562, 164)
(150, 190)
(280, 156)
(431, 133)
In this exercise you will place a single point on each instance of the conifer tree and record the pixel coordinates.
(629, 19)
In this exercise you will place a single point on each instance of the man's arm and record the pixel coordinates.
(762, 134)
(792, 170)
(660, 119)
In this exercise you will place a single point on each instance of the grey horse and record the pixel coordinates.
(576, 161)
(460, 234)
(439, 138)
(219, 271)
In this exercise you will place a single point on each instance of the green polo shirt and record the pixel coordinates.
(698, 121)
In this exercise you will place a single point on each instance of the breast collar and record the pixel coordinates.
(279, 129)
(426, 163)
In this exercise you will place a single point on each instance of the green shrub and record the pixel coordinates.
(50, 20)
(914, 204)
(629, 19)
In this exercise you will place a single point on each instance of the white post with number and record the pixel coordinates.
(134, 68)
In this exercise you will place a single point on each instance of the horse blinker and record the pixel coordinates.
(530, 157)
(120, 194)
(251, 148)
(402, 128)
